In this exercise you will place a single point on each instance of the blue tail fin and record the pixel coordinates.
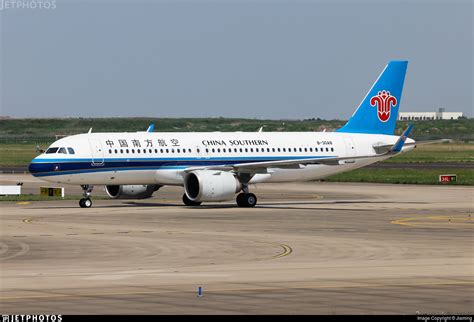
(378, 112)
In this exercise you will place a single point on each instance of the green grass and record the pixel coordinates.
(437, 153)
(31, 197)
(407, 176)
(17, 155)
(44, 130)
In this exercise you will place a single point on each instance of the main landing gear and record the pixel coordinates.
(246, 199)
(86, 202)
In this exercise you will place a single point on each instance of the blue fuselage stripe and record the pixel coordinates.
(54, 167)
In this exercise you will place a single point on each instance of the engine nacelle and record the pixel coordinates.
(208, 185)
(131, 191)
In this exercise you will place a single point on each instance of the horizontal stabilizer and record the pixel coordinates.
(398, 146)
(386, 148)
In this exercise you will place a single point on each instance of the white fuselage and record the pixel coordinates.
(163, 158)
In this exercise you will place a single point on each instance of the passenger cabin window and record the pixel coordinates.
(70, 150)
(52, 150)
(62, 150)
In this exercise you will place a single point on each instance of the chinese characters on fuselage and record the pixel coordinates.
(148, 143)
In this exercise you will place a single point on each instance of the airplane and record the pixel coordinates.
(215, 166)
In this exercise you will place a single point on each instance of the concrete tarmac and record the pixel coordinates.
(307, 248)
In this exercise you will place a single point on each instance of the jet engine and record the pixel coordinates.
(208, 185)
(131, 191)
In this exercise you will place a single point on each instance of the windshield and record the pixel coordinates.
(51, 150)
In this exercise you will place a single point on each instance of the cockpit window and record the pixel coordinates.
(70, 150)
(62, 150)
(52, 150)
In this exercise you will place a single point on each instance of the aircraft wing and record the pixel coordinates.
(261, 167)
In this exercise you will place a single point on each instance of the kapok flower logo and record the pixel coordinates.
(384, 102)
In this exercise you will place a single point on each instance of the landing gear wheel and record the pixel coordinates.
(247, 200)
(85, 203)
(189, 202)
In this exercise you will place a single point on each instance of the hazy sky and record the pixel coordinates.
(253, 59)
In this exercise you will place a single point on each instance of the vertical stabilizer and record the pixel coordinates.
(378, 112)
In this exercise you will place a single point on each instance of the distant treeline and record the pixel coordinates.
(46, 130)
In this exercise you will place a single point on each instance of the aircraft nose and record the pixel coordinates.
(35, 167)
(32, 166)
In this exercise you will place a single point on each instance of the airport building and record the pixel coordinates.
(421, 116)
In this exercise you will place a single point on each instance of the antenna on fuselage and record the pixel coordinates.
(260, 130)
(90, 130)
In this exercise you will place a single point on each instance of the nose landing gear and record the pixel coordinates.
(86, 202)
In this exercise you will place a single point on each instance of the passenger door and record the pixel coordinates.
(97, 152)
